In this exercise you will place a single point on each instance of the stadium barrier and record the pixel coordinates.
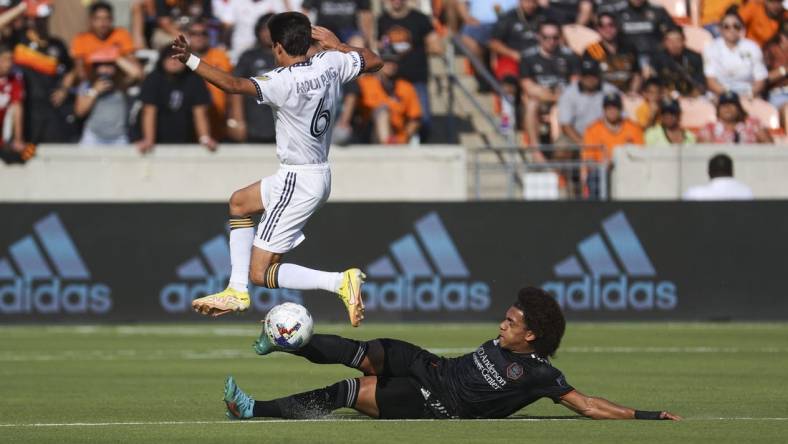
(184, 173)
(665, 173)
(425, 262)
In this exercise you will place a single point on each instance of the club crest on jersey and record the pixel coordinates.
(514, 371)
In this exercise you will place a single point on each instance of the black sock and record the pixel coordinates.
(333, 349)
(313, 404)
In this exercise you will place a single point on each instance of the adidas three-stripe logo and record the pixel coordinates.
(216, 253)
(597, 257)
(410, 257)
(30, 260)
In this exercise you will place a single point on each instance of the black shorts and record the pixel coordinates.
(407, 387)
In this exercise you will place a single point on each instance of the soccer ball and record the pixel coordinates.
(288, 326)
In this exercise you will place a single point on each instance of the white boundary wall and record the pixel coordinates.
(67, 173)
(664, 173)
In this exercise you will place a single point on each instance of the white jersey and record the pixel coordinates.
(720, 188)
(305, 98)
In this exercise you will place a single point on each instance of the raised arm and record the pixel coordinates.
(328, 41)
(222, 80)
(600, 408)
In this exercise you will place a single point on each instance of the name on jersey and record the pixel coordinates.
(487, 369)
(317, 82)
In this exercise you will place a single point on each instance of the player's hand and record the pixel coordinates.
(670, 416)
(181, 49)
(209, 143)
(325, 38)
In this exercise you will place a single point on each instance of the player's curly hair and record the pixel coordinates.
(293, 31)
(543, 316)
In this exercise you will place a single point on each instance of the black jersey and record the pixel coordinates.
(553, 72)
(644, 27)
(494, 383)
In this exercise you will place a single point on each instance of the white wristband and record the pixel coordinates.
(193, 62)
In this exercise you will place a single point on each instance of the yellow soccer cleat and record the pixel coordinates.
(228, 301)
(350, 293)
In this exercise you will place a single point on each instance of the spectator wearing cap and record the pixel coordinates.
(762, 19)
(722, 185)
(102, 100)
(580, 104)
(603, 136)
(669, 131)
(679, 69)
(248, 121)
(616, 56)
(390, 104)
(776, 57)
(411, 35)
(732, 62)
(175, 106)
(218, 58)
(733, 125)
(103, 37)
(544, 73)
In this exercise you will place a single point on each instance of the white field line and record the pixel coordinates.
(329, 420)
(197, 355)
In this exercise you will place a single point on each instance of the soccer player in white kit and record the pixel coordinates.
(304, 92)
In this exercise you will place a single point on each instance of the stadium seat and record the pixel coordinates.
(696, 112)
(765, 112)
(676, 8)
(697, 38)
(578, 37)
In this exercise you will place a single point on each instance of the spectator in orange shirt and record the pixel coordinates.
(762, 19)
(612, 130)
(218, 58)
(102, 35)
(390, 104)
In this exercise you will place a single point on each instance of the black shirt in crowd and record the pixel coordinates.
(255, 62)
(617, 68)
(407, 36)
(519, 31)
(565, 11)
(683, 73)
(188, 8)
(643, 27)
(493, 382)
(339, 16)
(174, 97)
(552, 72)
(610, 6)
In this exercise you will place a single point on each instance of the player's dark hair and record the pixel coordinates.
(721, 165)
(293, 31)
(543, 316)
(98, 6)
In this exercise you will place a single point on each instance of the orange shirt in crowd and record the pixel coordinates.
(760, 27)
(711, 11)
(86, 43)
(599, 133)
(219, 59)
(403, 105)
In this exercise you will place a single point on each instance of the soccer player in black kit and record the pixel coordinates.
(404, 381)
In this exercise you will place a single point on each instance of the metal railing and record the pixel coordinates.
(548, 172)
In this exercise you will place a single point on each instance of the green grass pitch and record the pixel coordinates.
(163, 383)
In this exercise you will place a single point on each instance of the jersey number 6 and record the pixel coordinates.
(321, 120)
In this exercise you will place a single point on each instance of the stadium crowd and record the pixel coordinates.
(590, 75)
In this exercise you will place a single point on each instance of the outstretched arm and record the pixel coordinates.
(599, 408)
(328, 41)
(226, 82)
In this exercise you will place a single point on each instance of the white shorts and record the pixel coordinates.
(290, 198)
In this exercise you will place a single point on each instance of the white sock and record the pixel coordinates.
(296, 277)
(241, 240)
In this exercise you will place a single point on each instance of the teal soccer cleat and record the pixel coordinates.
(263, 345)
(239, 404)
